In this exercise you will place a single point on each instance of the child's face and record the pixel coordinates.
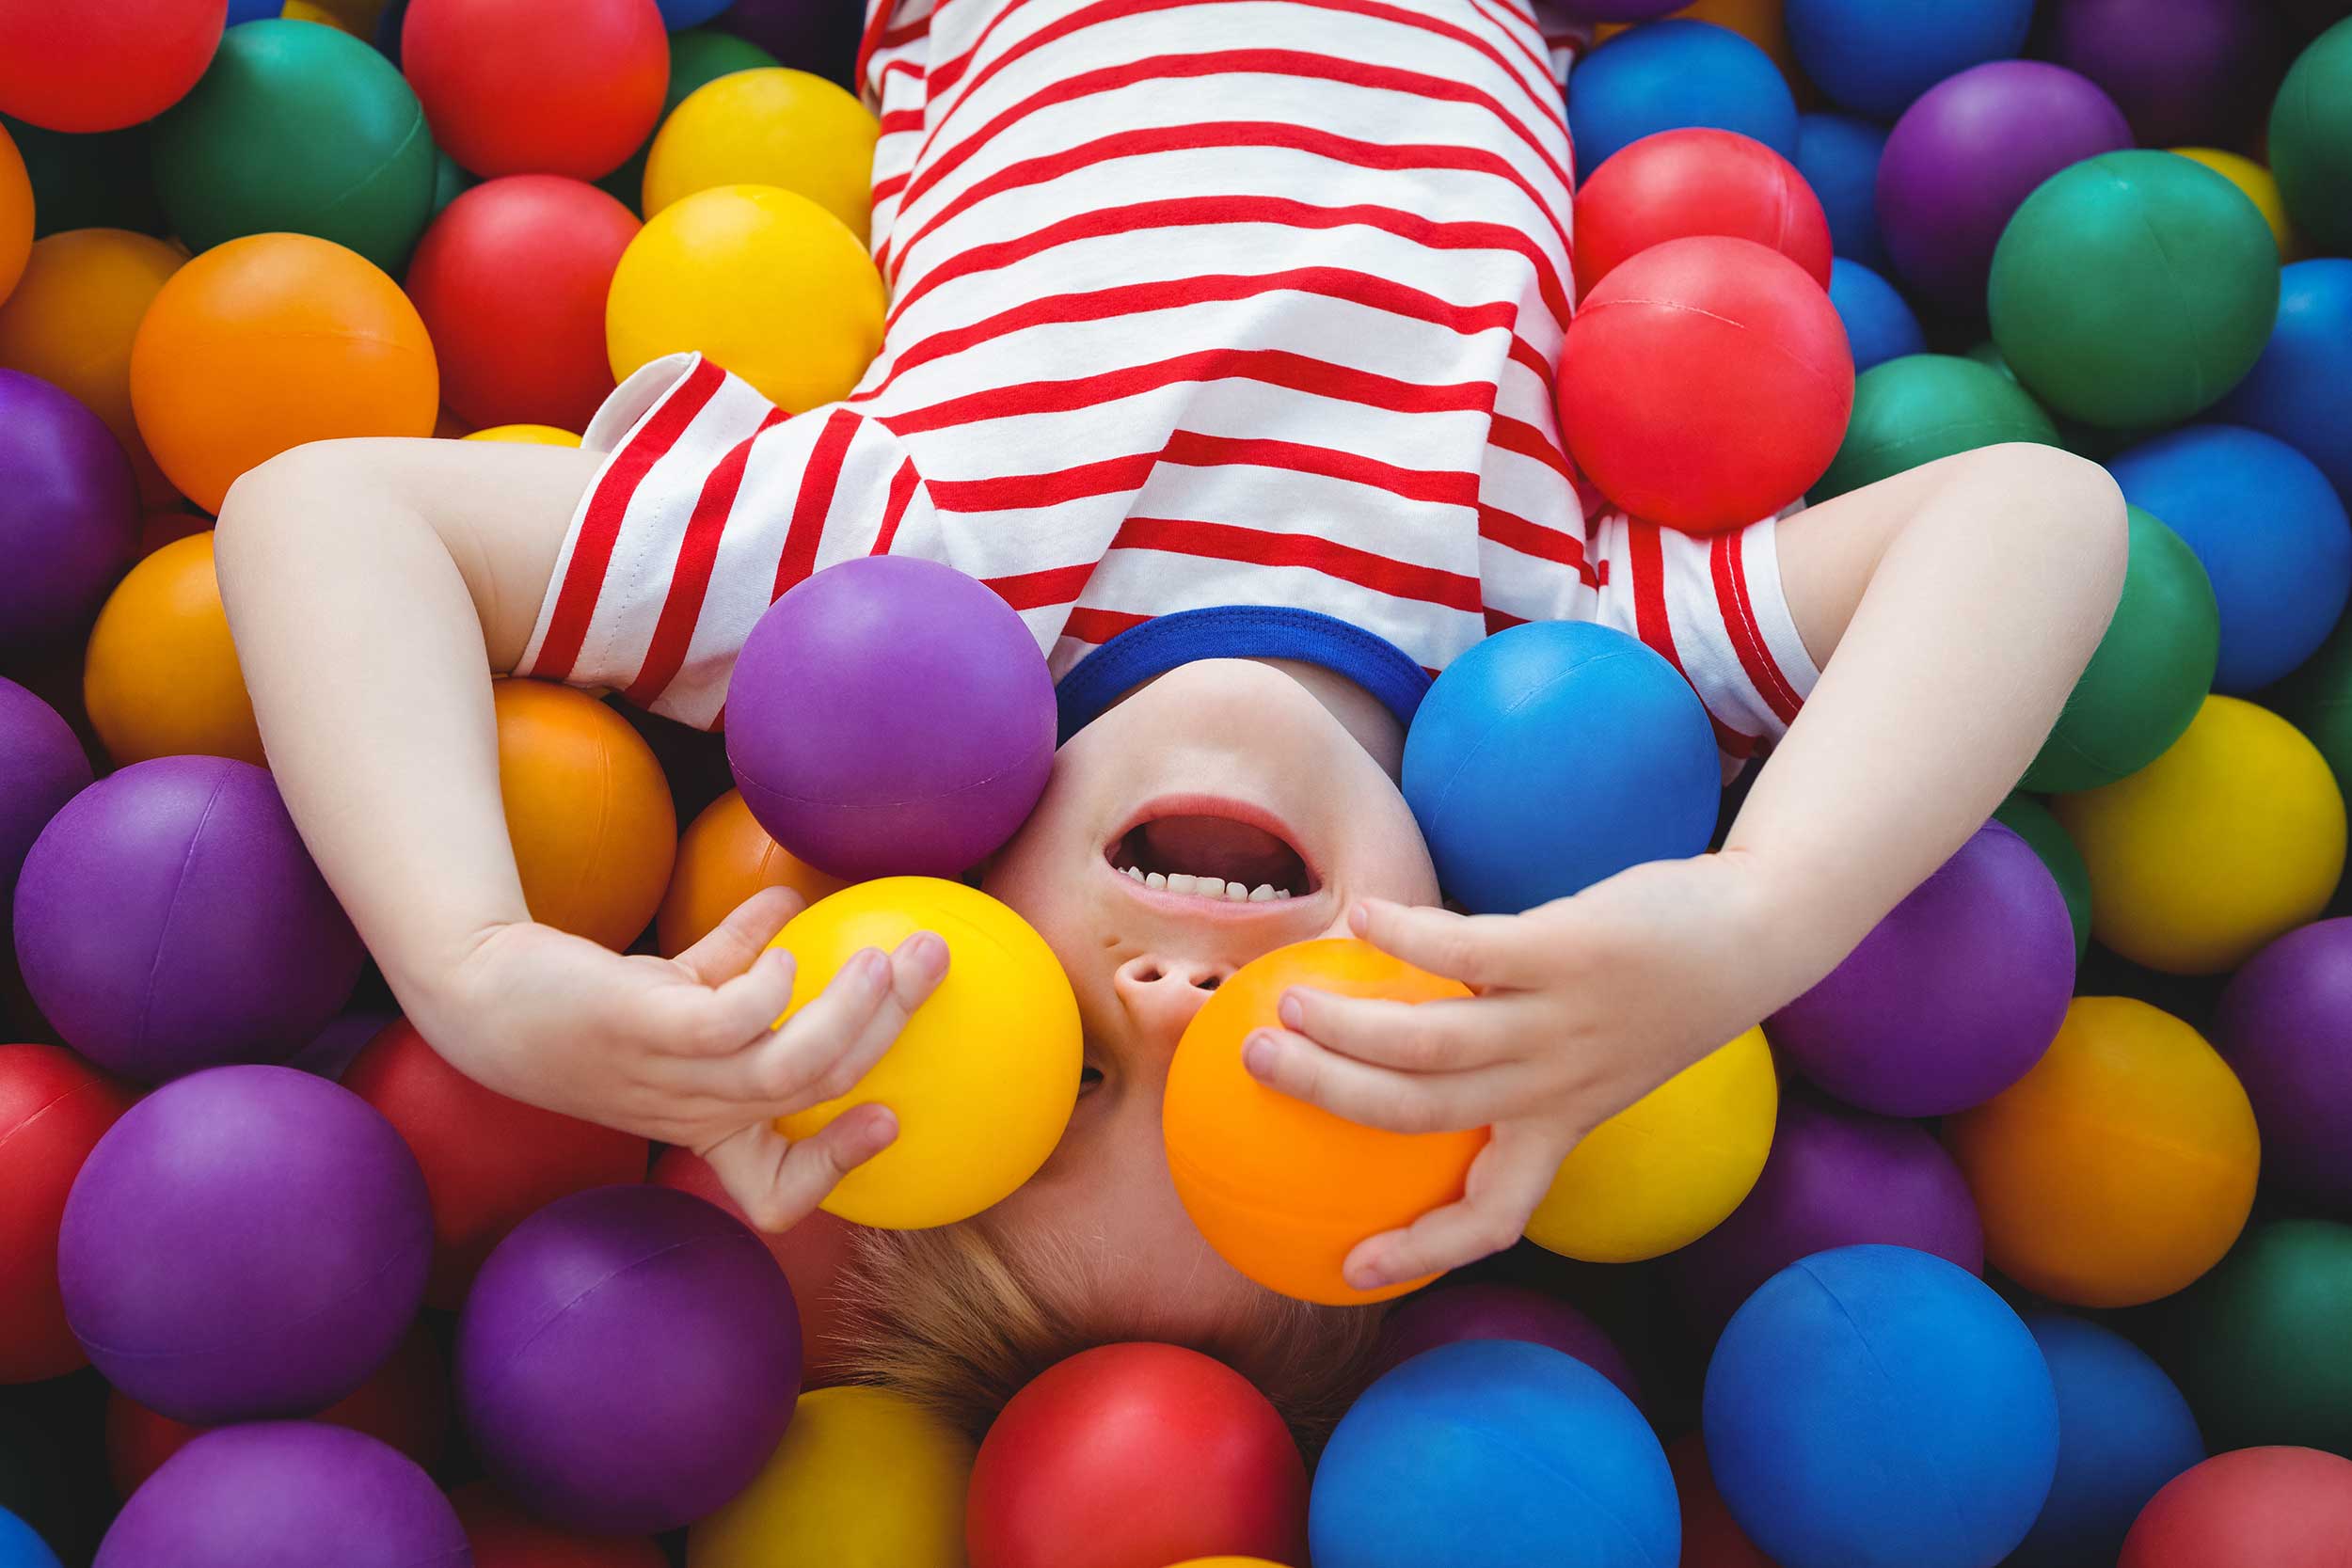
(1228, 769)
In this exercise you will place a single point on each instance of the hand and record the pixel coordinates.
(684, 1049)
(1584, 1005)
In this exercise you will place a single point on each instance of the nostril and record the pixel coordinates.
(1145, 974)
(1210, 982)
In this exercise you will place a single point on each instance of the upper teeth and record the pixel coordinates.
(1210, 887)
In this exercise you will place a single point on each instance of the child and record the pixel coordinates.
(1220, 347)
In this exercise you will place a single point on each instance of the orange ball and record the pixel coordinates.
(724, 858)
(71, 320)
(16, 213)
(161, 679)
(1282, 1189)
(588, 809)
(2118, 1169)
(267, 342)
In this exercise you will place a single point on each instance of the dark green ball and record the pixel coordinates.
(450, 182)
(698, 56)
(2150, 675)
(1923, 406)
(2263, 1345)
(93, 182)
(2134, 289)
(2032, 821)
(300, 128)
(2310, 139)
(2317, 700)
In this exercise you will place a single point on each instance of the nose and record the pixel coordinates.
(1162, 994)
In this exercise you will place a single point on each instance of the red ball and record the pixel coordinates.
(503, 1536)
(537, 86)
(1135, 1456)
(54, 1108)
(1706, 382)
(2254, 1507)
(489, 1162)
(1677, 183)
(1710, 1536)
(84, 67)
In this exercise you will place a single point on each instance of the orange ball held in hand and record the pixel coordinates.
(267, 342)
(161, 679)
(588, 809)
(1282, 1189)
(724, 858)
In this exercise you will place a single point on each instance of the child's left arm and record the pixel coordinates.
(1960, 600)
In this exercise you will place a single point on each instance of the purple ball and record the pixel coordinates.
(286, 1495)
(1954, 995)
(2284, 1024)
(169, 919)
(41, 766)
(1451, 1313)
(891, 717)
(69, 512)
(249, 1242)
(1967, 153)
(819, 35)
(1835, 1177)
(628, 1359)
(2183, 71)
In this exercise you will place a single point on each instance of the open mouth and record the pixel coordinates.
(1220, 852)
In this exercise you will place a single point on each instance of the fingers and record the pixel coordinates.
(837, 1036)
(778, 1181)
(1509, 1178)
(1483, 951)
(1432, 1037)
(731, 946)
(1372, 1095)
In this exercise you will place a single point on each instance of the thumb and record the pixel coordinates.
(777, 1181)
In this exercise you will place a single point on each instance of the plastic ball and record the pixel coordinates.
(2031, 820)
(161, 677)
(2284, 1026)
(2295, 390)
(503, 1536)
(1668, 1168)
(588, 809)
(1704, 383)
(537, 86)
(1962, 157)
(1757, 20)
(1838, 155)
(1875, 58)
(774, 127)
(2120, 1168)
(1449, 1314)
(2134, 290)
(298, 1233)
(641, 1403)
(71, 320)
(723, 859)
(2263, 1345)
(68, 512)
(766, 282)
(2182, 70)
(523, 436)
(2123, 1432)
(1876, 1404)
(169, 918)
(890, 716)
(864, 1476)
(21, 1545)
(1494, 1452)
(2256, 1508)
(2257, 183)
(2310, 138)
(1673, 74)
(1911, 411)
(1696, 180)
(54, 1108)
(42, 766)
(812, 1255)
(299, 129)
(984, 1074)
(1880, 324)
(66, 69)
(1281, 1189)
(16, 213)
(698, 56)
(1546, 712)
(1135, 1456)
(269, 341)
(1712, 1538)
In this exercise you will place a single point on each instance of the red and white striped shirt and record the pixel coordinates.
(1193, 303)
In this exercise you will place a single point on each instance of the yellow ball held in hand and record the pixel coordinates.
(766, 282)
(525, 435)
(776, 127)
(985, 1074)
(1668, 1168)
(2233, 836)
(161, 676)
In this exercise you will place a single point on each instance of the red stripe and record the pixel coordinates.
(1516, 533)
(600, 527)
(1731, 594)
(947, 73)
(689, 580)
(878, 35)
(1647, 561)
(817, 484)
(1401, 579)
(1519, 38)
(1099, 627)
(899, 121)
(1194, 449)
(1039, 590)
(1510, 435)
(885, 189)
(902, 485)
(1030, 492)
(1501, 620)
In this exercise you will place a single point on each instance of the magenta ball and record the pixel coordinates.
(1967, 153)
(890, 716)
(286, 1495)
(169, 919)
(245, 1242)
(1451, 1313)
(1951, 998)
(68, 512)
(1835, 1178)
(2285, 1025)
(628, 1359)
(41, 766)
(2183, 71)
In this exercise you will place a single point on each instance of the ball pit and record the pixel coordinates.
(2031, 820)
(1838, 155)
(2317, 701)
(588, 809)
(725, 857)
(1672, 74)
(20, 1547)
(1879, 325)
(42, 768)
(2284, 1026)
(1874, 60)
(1712, 1538)
(16, 214)
(54, 1108)
(2257, 1508)
(161, 676)
(697, 57)
(591, 94)
(70, 322)
(69, 512)
(2310, 138)
(1450, 1314)
(62, 74)
(503, 1536)
(88, 181)
(2184, 71)
(2296, 391)
(1677, 183)
(2123, 1432)
(2259, 185)
(524, 436)
(2263, 1345)
(776, 127)
(1916, 409)
(812, 1255)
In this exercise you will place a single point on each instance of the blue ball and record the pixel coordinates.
(1878, 325)
(690, 13)
(2298, 389)
(1874, 57)
(20, 1547)
(2270, 530)
(1838, 156)
(2123, 1432)
(1666, 76)
(1878, 1407)
(1555, 754)
(1493, 1454)
(253, 10)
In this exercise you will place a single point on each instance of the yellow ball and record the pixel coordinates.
(863, 1479)
(1228, 1562)
(776, 127)
(986, 1074)
(525, 435)
(767, 283)
(2233, 836)
(2260, 188)
(1668, 1168)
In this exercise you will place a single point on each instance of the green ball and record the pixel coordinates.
(2317, 700)
(2083, 440)
(301, 128)
(1923, 406)
(698, 56)
(2134, 289)
(450, 182)
(2263, 1345)
(2152, 670)
(2032, 821)
(2310, 139)
(92, 182)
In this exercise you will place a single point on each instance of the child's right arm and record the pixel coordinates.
(374, 586)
